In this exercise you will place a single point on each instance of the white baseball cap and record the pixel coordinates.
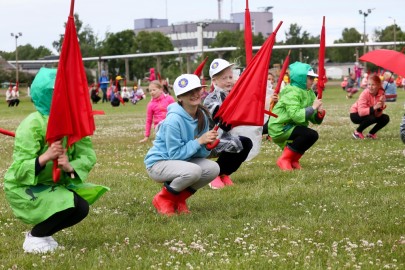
(311, 73)
(218, 65)
(185, 83)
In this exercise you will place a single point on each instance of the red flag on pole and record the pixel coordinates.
(200, 67)
(280, 79)
(71, 113)
(245, 103)
(321, 62)
(248, 35)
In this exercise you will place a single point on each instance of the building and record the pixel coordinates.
(262, 22)
(199, 35)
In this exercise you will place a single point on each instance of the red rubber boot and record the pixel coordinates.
(181, 201)
(295, 161)
(284, 162)
(165, 202)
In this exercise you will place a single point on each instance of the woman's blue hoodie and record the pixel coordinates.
(176, 138)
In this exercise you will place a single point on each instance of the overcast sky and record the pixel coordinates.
(42, 21)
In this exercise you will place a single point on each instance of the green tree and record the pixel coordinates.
(346, 54)
(27, 52)
(296, 36)
(388, 33)
(147, 42)
(88, 41)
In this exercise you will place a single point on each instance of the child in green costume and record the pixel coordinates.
(30, 190)
(296, 107)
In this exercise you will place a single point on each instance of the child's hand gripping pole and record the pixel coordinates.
(211, 146)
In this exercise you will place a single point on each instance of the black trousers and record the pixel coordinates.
(302, 139)
(230, 162)
(368, 120)
(62, 219)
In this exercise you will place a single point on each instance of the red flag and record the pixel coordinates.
(245, 103)
(71, 113)
(321, 62)
(282, 73)
(280, 79)
(248, 35)
(200, 67)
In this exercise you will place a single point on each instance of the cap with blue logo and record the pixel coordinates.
(218, 65)
(185, 83)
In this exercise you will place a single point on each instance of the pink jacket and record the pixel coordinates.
(365, 101)
(156, 111)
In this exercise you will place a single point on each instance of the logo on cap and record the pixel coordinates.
(214, 65)
(183, 83)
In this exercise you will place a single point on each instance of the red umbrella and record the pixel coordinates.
(280, 79)
(388, 59)
(200, 67)
(248, 35)
(71, 113)
(321, 62)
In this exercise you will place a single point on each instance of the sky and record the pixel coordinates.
(42, 21)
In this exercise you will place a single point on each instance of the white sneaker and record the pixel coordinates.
(34, 244)
(51, 241)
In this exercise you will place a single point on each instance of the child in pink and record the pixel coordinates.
(157, 107)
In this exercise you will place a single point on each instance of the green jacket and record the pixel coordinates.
(292, 104)
(32, 198)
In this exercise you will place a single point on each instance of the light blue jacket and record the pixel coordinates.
(176, 138)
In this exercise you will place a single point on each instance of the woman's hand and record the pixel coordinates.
(144, 140)
(63, 162)
(53, 152)
(317, 104)
(274, 98)
(208, 137)
(378, 105)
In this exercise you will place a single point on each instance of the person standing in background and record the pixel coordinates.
(103, 82)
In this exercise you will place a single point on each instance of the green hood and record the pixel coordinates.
(298, 74)
(42, 89)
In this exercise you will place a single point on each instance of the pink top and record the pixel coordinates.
(156, 111)
(365, 101)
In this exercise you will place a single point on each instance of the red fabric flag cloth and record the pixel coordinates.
(245, 103)
(71, 113)
(321, 63)
(200, 67)
(248, 35)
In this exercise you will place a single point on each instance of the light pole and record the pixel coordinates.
(395, 33)
(365, 14)
(16, 35)
(202, 25)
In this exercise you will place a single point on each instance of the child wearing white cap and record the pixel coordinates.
(178, 157)
(231, 150)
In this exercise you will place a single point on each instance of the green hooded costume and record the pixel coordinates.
(32, 198)
(291, 106)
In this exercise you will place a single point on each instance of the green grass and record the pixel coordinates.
(343, 210)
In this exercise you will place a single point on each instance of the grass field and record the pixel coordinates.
(344, 210)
